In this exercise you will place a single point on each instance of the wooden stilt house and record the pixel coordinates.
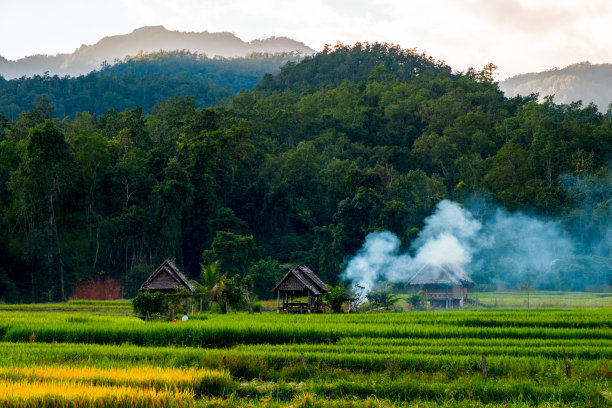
(299, 282)
(166, 279)
(444, 286)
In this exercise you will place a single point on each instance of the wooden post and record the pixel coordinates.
(568, 370)
(389, 371)
(484, 366)
(306, 367)
(201, 297)
(278, 301)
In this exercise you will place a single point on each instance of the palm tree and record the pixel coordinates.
(214, 283)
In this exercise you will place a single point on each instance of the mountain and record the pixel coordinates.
(146, 40)
(584, 81)
(299, 170)
(142, 81)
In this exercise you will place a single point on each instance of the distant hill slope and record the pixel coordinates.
(143, 81)
(145, 39)
(584, 81)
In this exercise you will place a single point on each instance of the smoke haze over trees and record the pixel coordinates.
(300, 170)
(505, 250)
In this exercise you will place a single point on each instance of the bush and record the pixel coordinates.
(382, 296)
(417, 301)
(146, 303)
(335, 297)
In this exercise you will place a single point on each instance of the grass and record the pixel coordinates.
(542, 299)
(101, 358)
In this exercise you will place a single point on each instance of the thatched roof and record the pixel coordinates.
(301, 279)
(446, 274)
(166, 278)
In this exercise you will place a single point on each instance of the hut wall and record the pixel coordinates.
(459, 292)
(437, 292)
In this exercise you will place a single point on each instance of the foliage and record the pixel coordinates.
(382, 296)
(336, 296)
(141, 82)
(417, 301)
(149, 304)
(296, 171)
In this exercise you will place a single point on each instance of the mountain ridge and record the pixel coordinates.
(145, 39)
(582, 81)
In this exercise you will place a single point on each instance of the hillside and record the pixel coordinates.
(590, 83)
(141, 81)
(146, 40)
(300, 170)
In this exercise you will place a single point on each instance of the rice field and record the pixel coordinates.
(413, 359)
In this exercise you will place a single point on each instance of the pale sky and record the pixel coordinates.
(517, 35)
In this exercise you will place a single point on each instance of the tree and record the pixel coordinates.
(235, 253)
(356, 218)
(44, 173)
(213, 283)
(510, 173)
(440, 150)
(174, 198)
(93, 159)
(336, 296)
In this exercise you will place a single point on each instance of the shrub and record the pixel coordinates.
(382, 296)
(335, 297)
(146, 303)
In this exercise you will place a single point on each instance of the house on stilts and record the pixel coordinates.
(444, 286)
(300, 282)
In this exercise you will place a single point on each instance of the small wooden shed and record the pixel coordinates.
(300, 282)
(166, 279)
(444, 286)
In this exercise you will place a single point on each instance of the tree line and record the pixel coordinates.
(296, 171)
(143, 80)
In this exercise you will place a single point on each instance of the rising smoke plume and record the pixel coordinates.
(504, 250)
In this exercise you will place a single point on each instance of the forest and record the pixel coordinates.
(297, 170)
(143, 80)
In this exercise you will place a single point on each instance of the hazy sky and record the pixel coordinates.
(517, 35)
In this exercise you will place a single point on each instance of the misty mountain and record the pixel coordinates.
(146, 40)
(584, 81)
(142, 81)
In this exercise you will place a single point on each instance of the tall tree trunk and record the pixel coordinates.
(54, 240)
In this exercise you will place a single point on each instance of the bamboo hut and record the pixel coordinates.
(444, 286)
(299, 282)
(166, 279)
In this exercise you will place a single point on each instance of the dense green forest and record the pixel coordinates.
(298, 170)
(142, 81)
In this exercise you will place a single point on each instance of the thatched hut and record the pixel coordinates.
(444, 286)
(166, 279)
(299, 282)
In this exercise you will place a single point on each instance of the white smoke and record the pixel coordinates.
(451, 235)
